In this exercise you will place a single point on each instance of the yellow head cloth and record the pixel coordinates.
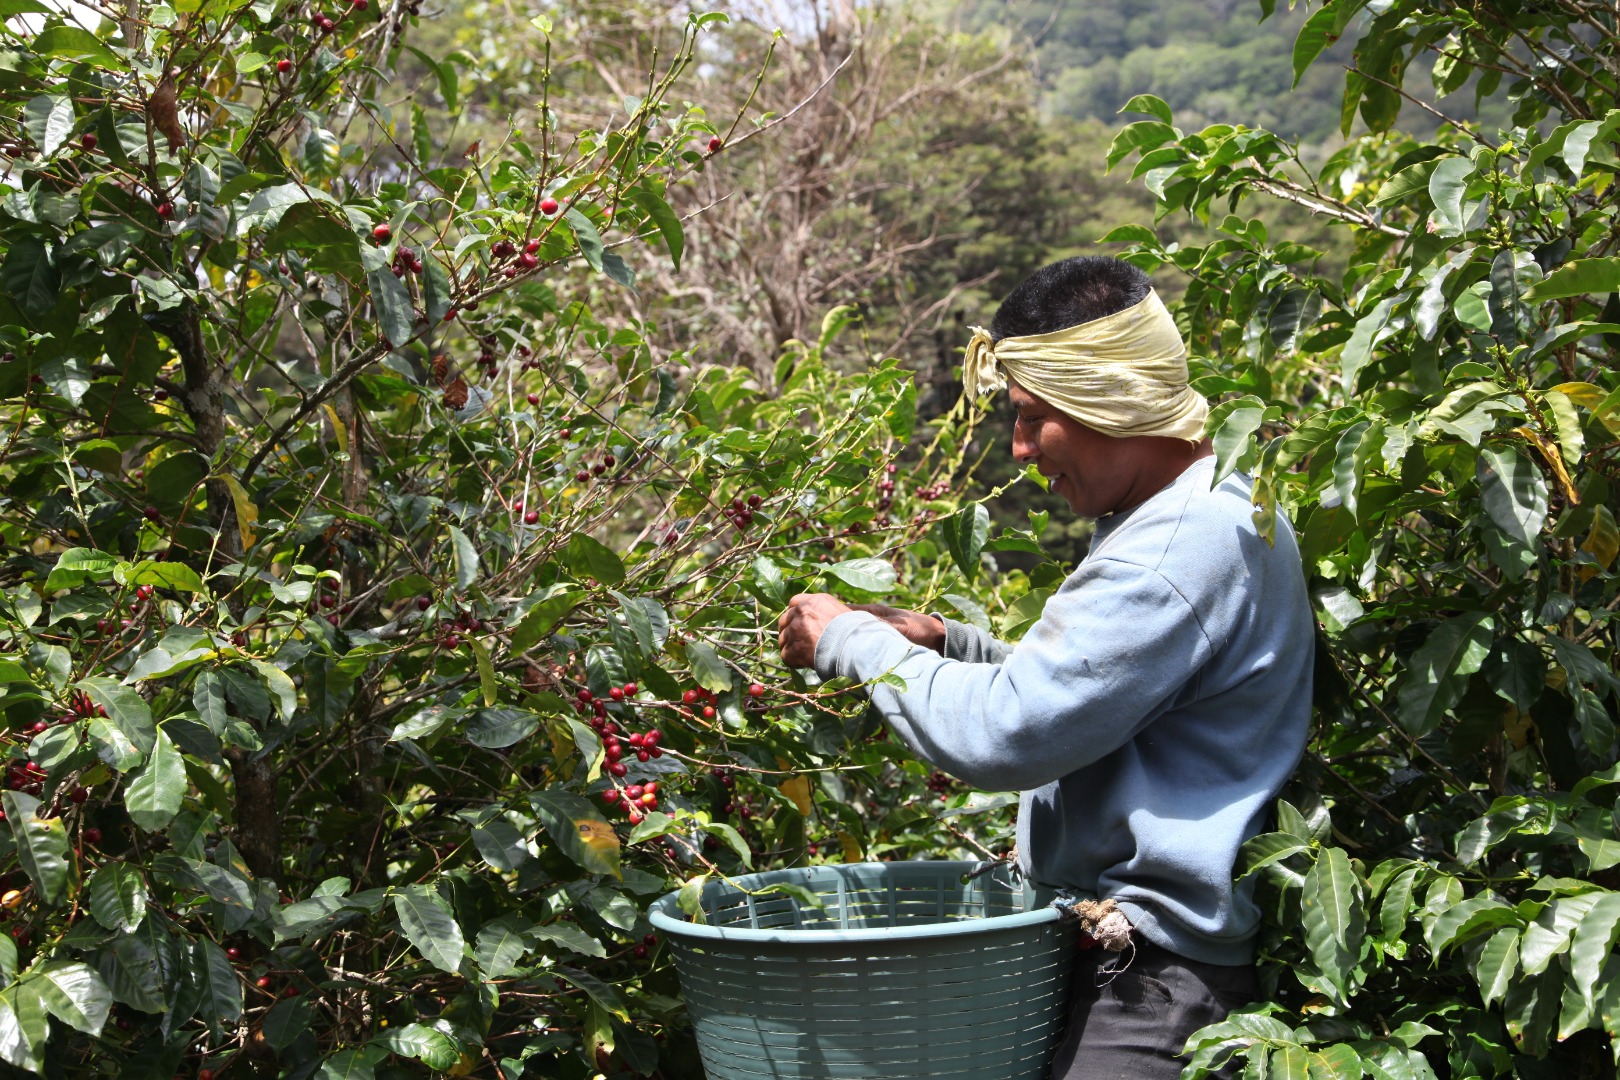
(1124, 374)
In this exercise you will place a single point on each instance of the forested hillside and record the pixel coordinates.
(1212, 61)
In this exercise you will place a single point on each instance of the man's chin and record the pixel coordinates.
(1061, 486)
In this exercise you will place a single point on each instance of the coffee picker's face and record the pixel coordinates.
(1093, 472)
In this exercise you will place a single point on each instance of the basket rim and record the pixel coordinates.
(665, 915)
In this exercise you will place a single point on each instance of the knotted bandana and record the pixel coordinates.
(1124, 374)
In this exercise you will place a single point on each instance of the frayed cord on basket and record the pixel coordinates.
(1104, 924)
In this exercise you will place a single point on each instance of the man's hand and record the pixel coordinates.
(808, 614)
(919, 629)
(801, 625)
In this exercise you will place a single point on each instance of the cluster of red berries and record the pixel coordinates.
(637, 799)
(486, 355)
(405, 260)
(143, 595)
(940, 784)
(80, 707)
(699, 702)
(331, 596)
(464, 623)
(934, 491)
(741, 514)
(323, 22)
(886, 488)
(607, 462)
(647, 942)
(527, 259)
(530, 517)
(26, 777)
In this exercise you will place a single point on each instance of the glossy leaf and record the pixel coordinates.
(118, 896)
(1514, 493)
(868, 575)
(1438, 672)
(1581, 277)
(1331, 907)
(42, 846)
(155, 791)
(75, 994)
(433, 1048)
(429, 925)
(965, 534)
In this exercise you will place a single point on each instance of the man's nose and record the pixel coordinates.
(1023, 447)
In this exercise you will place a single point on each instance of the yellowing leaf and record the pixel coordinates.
(338, 429)
(797, 788)
(1582, 393)
(1518, 727)
(851, 846)
(1602, 543)
(598, 836)
(247, 514)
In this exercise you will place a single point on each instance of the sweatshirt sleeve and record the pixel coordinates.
(1111, 649)
(972, 645)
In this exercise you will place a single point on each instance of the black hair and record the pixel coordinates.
(1068, 293)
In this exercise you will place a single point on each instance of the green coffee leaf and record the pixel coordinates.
(1497, 965)
(48, 118)
(868, 575)
(75, 994)
(569, 937)
(24, 1027)
(155, 791)
(126, 735)
(1331, 908)
(286, 1020)
(501, 947)
(465, 557)
(42, 846)
(1514, 493)
(1581, 277)
(428, 924)
(546, 609)
(431, 1047)
(221, 985)
(708, 669)
(668, 222)
(965, 534)
(588, 557)
(605, 996)
(117, 896)
(395, 315)
(1438, 672)
(500, 844)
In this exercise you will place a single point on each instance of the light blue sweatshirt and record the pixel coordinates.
(1149, 717)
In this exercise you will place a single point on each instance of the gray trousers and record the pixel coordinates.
(1132, 1024)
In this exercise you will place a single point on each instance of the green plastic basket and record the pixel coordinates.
(905, 971)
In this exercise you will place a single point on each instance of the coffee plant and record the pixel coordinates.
(384, 624)
(1440, 418)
